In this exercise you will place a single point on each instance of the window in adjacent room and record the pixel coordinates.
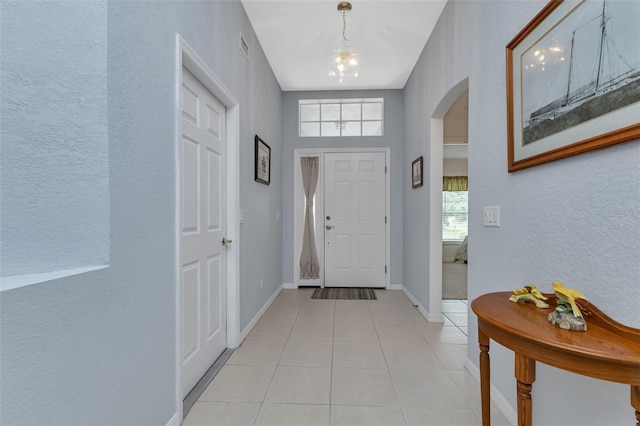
(340, 117)
(454, 208)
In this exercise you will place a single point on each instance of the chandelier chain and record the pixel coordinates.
(344, 27)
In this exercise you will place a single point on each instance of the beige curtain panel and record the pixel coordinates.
(455, 183)
(309, 265)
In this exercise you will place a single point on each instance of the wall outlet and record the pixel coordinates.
(492, 216)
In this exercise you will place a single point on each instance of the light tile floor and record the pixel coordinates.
(347, 362)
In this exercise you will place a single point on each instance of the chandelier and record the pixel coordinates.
(344, 62)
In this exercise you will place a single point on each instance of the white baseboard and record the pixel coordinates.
(394, 287)
(289, 286)
(434, 318)
(174, 421)
(259, 315)
(429, 317)
(498, 399)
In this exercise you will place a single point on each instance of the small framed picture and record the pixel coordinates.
(263, 161)
(416, 172)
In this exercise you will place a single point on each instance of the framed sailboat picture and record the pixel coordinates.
(573, 81)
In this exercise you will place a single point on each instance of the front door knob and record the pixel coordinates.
(225, 242)
(328, 227)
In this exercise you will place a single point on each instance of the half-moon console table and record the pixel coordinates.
(608, 350)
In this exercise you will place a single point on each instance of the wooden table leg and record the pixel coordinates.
(635, 402)
(525, 375)
(485, 378)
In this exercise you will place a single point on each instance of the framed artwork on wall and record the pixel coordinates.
(417, 172)
(263, 162)
(573, 81)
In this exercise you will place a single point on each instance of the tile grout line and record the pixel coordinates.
(450, 371)
(386, 363)
(276, 367)
(456, 325)
(333, 338)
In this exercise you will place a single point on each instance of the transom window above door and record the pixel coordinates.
(340, 117)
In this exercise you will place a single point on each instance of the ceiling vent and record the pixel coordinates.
(244, 47)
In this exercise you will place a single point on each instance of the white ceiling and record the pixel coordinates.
(297, 37)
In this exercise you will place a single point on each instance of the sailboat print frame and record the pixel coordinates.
(554, 112)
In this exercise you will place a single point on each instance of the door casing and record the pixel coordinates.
(298, 210)
(186, 57)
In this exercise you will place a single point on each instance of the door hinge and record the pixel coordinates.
(385, 170)
(385, 219)
(385, 269)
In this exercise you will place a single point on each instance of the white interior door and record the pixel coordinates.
(203, 226)
(355, 229)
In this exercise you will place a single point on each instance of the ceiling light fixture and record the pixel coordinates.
(344, 61)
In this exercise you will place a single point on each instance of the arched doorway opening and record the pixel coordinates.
(436, 172)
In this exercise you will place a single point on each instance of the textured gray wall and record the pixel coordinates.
(99, 348)
(393, 138)
(575, 220)
(55, 165)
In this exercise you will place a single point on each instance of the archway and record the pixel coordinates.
(436, 170)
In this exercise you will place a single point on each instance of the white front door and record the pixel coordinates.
(203, 226)
(354, 218)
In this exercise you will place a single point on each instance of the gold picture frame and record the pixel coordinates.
(552, 112)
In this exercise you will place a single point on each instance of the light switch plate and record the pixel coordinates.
(492, 216)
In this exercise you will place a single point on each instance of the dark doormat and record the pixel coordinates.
(344, 293)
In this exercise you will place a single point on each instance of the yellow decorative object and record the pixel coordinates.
(569, 296)
(529, 294)
(528, 297)
(537, 293)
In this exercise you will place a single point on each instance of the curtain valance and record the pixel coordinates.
(455, 183)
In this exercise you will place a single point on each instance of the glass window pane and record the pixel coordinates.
(454, 215)
(372, 128)
(351, 128)
(372, 111)
(341, 117)
(309, 129)
(330, 129)
(309, 112)
(330, 112)
(351, 111)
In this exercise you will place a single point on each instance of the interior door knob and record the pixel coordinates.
(328, 227)
(225, 242)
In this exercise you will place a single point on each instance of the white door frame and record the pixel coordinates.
(186, 57)
(298, 210)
